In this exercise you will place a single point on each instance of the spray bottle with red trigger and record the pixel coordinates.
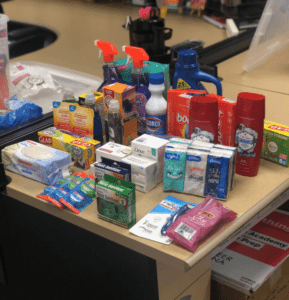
(140, 79)
(110, 71)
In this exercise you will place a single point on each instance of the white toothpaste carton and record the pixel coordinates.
(112, 151)
(138, 178)
(151, 147)
(144, 172)
(37, 161)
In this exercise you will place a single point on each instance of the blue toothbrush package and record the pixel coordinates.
(81, 196)
(174, 169)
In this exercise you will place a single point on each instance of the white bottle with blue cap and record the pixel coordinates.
(156, 107)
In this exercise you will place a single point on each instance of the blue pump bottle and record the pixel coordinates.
(189, 76)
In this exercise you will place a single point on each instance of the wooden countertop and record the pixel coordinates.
(78, 25)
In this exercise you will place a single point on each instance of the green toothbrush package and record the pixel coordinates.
(116, 201)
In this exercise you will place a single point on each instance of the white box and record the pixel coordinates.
(144, 172)
(151, 147)
(112, 151)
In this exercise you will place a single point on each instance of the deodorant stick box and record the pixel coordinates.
(112, 151)
(144, 172)
(151, 147)
(226, 122)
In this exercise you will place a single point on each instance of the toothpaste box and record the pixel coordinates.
(116, 201)
(99, 169)
(247, 262)
(144, 172)
(226, 122)
(112, 151)
(178, 107)
(82, 149)
(275, 145)
(151, 147)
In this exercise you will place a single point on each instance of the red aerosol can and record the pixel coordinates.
(250, 115)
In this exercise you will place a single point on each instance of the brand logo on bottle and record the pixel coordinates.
(140, 100)
(182, 119)
(154, 123)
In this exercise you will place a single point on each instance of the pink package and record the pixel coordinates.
(192, 229)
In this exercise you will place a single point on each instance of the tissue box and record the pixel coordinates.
(82, 149)
(275, 143)
(144, 172)
(116, 201)
(36, 161)
(151, 147)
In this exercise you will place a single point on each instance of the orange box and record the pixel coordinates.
(126, 96)
(226, 122)
(178, 107)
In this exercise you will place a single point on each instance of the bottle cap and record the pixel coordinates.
(205, 107)
(90, 98)
(68, 94)
(187, 57)
(251, 104)
(156, 78)
(113, 105)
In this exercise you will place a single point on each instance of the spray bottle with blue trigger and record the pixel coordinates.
(188, 74)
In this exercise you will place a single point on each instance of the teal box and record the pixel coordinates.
(149, 67)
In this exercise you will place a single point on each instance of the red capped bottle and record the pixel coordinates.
(250, 115)
(203, 119)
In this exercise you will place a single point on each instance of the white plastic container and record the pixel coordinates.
(271, 36)
(4, 61)
(156, 107)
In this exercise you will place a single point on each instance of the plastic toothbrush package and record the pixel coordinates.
(49, 193)
(194, 227)
(80, 197)
(154, 225)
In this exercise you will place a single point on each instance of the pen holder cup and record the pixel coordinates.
(150, 35)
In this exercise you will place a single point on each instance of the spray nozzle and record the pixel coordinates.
(138, 55)
(107, 49)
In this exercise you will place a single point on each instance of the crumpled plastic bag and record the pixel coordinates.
(21, 111)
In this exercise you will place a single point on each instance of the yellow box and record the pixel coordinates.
(82, 149)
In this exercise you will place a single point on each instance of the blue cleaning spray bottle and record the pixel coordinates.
(140, 79)
(110, 71)
(189, 76)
